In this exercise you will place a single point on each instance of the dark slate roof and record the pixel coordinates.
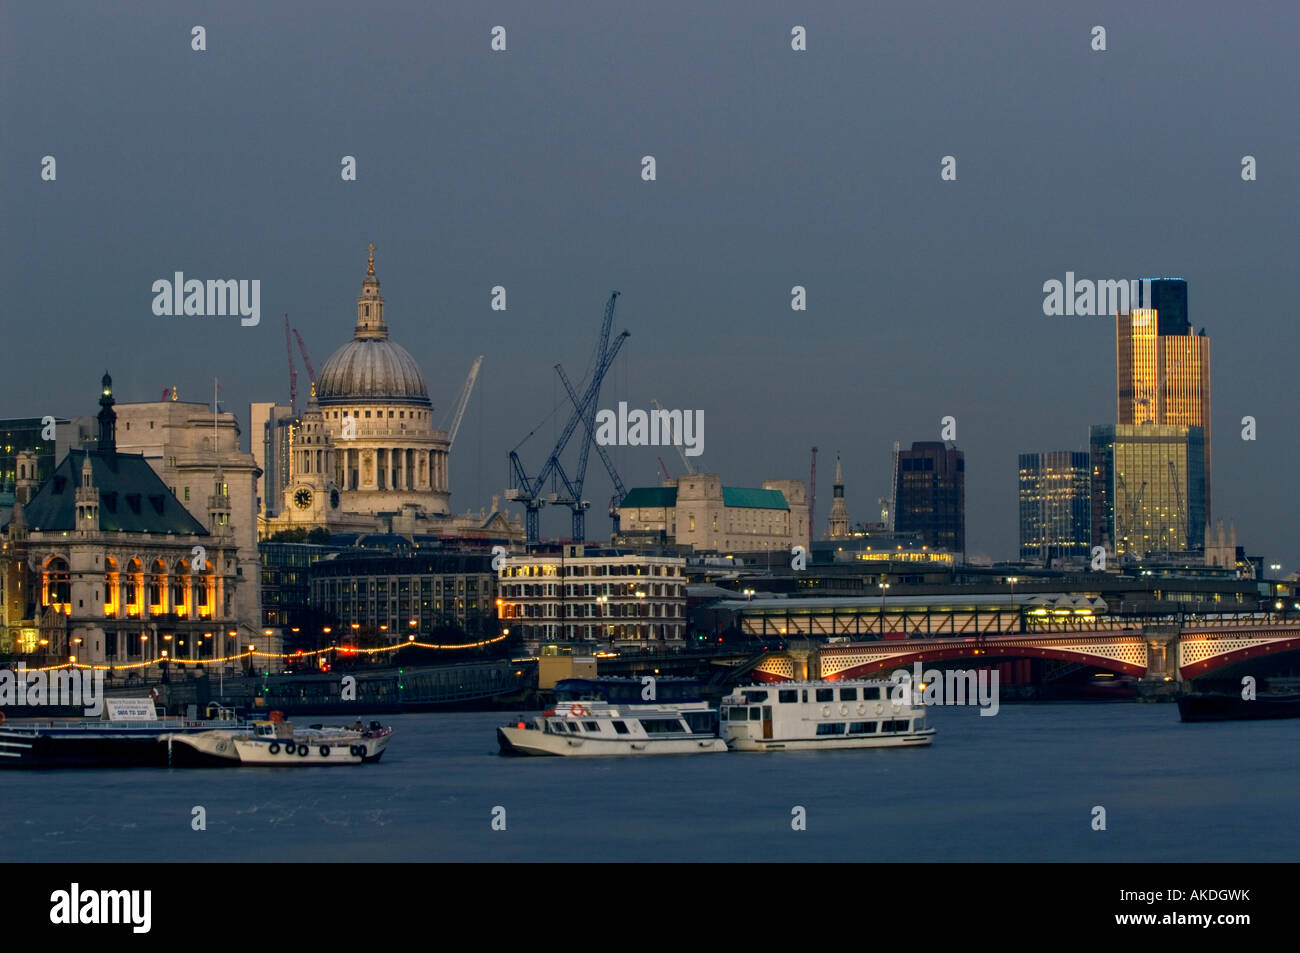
(132, 497)
(646, 497)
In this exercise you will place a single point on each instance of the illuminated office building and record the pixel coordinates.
(930, 495)
(1055, 506)
(1148, 488)
(1163, 367)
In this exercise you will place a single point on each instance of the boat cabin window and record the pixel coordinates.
(754, 697)
(590, 726)
(701, 722)
(661, 725)
(826, 694)
(892, 726)
(788, 696)
(871, 694)
(573, 727)
(831, 728)
(848, 694)
(620, 728)
(862, 728)
(805, 694)
(739, 714)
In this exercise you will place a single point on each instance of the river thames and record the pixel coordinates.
(1019, 786)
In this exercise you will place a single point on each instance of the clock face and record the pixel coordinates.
(334, 499)
(302, 499)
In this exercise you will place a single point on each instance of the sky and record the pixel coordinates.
(774, 168)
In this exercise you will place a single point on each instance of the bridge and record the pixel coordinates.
(1159, 652)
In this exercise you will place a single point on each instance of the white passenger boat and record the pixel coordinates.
(798, 716)
(586, 729)
(277, 743)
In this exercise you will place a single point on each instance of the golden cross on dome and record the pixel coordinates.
(370, 270)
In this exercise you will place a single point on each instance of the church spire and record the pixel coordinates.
(107, 417)
(838, 521)
(370, 306)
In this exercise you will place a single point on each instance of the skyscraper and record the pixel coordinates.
(930, 496)
(1055, 505)
(1163, 368)
(1148, 488)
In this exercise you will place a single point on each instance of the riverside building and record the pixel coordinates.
(603, 598)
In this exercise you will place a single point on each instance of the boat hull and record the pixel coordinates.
(39, 749)
(910, 740)
(530, 741)
(1216, 706)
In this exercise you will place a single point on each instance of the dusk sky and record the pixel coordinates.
(775, 168)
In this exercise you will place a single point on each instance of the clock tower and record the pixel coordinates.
(311, 496)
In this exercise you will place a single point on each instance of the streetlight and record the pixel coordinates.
(884, 593)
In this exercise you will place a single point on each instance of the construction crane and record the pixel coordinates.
(293, 374)
(589, 421)
(1132, 510)
(1178, 495)
(893, 493)
(306, 359)
(528, 490)
(468, 389)
(812, 498)
(686, 461)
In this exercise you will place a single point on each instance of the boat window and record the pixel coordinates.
(831, 728)
(788, 696)
(891, 726)
(753, 697)
(918, 725)
(573, 727)
(862, 728)
(739, 714)
(661, 725)
(871, 694)
(701, 722)
(848, 694)
(755, 714)
(826, 694)
(590, 726)
(620, 728)
(805, 694)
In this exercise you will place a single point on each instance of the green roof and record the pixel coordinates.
(754, 499)
(645, 497)
(132, 498)
(653, 497)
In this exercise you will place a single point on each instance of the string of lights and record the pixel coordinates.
(283, 656)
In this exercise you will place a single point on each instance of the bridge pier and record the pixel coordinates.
(1159, 639)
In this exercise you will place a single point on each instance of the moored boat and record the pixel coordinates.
(797, 716)
(596, 728)
(277, 743)
(1227, 706)
(129, 736)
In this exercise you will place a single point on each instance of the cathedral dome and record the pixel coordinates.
(370, 368)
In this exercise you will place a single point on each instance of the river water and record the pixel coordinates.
(1021, 785)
